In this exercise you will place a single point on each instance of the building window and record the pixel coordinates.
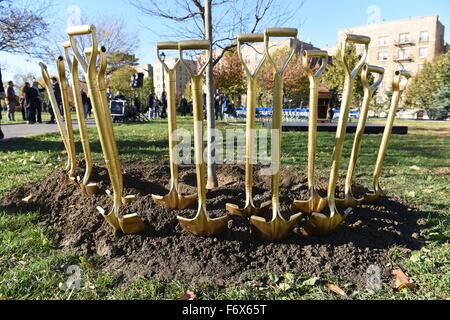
(403, 54)
(423, 36)
(383, 41)
(404, 37)
(383, 56)
(423, 52)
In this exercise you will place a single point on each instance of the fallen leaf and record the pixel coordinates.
(310, 282)
(402, 281)
(189, 295)
(416, 168)
(22, 262)
(27, 198)
(336, 289)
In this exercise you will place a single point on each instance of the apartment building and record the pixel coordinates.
(182, 76)
(402, 44)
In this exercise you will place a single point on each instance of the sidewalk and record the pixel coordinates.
(24, 130)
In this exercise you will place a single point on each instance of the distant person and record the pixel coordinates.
(109, 94)
(119, 96)
(23, 101)
(85, 102)
(34, 103)
(137, 103)
(12, 101)
(330, 113)
(225, 104)
(163, 105)
(183, 106)
(2, 96)
(57, 92)
(150, 99)
(218, 104)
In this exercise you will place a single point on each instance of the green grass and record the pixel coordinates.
(416, 169)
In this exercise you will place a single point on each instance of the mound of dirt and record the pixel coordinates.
(165, 251)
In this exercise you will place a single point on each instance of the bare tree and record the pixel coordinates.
(24, 27)
(231, 17)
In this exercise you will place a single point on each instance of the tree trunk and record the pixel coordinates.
(210, 119)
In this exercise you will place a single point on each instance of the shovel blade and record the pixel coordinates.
(319, 224)
(131, 224)
(173, 200)
(315, 204)
(110, 218)
(249, 210)
(202, 225)
(275, 230)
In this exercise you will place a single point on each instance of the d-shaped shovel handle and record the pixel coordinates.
(80, 31)
(366, 70)
(308, 55)
(399, 74)
(167, 45)
(195, 45)
(280, 32)
(356, 39)
(250, 38)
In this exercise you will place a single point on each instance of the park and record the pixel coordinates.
(312, 187)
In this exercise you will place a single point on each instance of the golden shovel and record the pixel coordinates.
(130, 223)
(86, 185)
(201, 224)
(249, 208)
(319, 223)
(397, 90)
(173, 200)
(278, 228)
(59, 119)
(315, 203)
(349, 199)
(67, 118)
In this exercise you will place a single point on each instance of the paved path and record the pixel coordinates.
(24, 130)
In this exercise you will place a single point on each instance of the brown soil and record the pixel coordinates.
(165, 251)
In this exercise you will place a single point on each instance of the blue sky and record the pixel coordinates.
(318, 22)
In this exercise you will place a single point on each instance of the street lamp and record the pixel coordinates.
(163, 57)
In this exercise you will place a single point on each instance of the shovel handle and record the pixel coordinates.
(81, 30)
(358, 39)
(167, 45)
(315, 54)
(365, 76)
(399, 74)
(249, 37)
(66, 44)
(194, 45)
(281, 32)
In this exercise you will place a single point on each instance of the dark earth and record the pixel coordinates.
(165, 252)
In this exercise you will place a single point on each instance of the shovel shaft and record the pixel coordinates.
(386, 136)
(67, 117)
(358, 139)
(84, 136)
(276, 141)
(198, 139)
(312, 130)
(172, 123)
(250, 138)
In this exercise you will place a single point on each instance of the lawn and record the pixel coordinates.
(417, 168)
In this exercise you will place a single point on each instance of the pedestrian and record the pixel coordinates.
(84, 101)
(12, 100)
(23, 101)
(183, 106)
(109, 94)
(2, 96)
(137, 103)
(120, 96)
(225, 105)
(57, 92)
(330, 113)
(163, 105)
(34, 103)
(156, 108)
(217, 104)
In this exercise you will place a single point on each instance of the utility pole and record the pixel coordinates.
(210, 119)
